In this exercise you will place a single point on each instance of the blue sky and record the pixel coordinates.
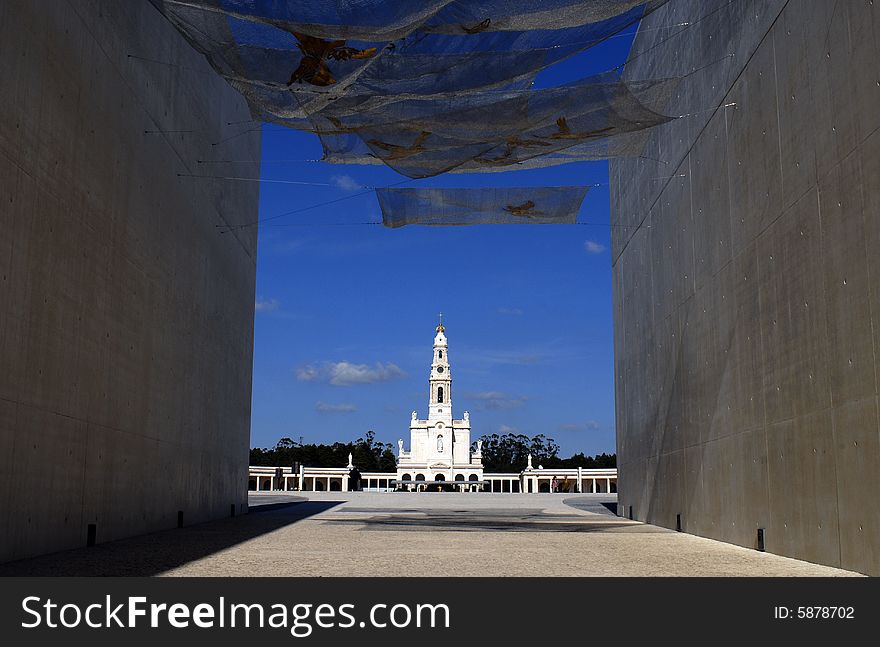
(345, 313)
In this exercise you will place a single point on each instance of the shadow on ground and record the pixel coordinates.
(498, 519)
(156, 553)
(591, 504)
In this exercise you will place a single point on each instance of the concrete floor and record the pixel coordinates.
(427, 534)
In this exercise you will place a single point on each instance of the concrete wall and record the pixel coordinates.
(747, 280)
(126, 319)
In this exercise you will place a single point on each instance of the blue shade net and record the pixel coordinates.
(430, 86)
(481, 206)
(595, 118)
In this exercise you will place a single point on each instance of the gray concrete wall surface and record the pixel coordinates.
(747, 280)
(126, 318)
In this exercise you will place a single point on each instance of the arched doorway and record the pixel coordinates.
(319, 486)
(543, 486)
(439, 484)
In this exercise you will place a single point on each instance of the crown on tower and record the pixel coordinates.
(440, 326)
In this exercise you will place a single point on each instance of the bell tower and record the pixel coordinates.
(440, 445)
(440, 380)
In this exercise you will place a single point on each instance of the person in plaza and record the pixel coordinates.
(354, 479)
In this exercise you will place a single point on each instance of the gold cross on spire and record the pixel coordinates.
(441, 327)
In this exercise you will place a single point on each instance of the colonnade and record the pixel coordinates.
(533, 481)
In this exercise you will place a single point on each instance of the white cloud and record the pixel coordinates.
(593, 247)
(345, 182)
(324, 407)
(589, 425)
(346, 373)
(504, 429)
(266, 305)
(502, 357)
(496, 400)
(529, 353)
(514, 312)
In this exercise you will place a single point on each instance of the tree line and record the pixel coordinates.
(501, 453)
(509, 453)
(366, 453)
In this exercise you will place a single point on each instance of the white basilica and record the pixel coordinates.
(440, 445)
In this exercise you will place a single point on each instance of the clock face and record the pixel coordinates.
(439, 369)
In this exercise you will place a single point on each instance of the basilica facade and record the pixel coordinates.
(439, 445)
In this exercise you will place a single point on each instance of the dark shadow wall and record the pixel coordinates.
(746, 247)
(126, 318)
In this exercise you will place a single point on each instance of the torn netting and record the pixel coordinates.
(592, 118)
(428, 86)
(481, 206)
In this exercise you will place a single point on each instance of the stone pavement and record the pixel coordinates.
(420, 534)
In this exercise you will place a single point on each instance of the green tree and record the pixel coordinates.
(509, 453)
(367, 454)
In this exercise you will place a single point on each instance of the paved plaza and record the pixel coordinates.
(420, 534)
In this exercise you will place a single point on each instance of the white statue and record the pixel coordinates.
(400, 446)
(529, 466)
(467, 416)
(350, 464)
(479, 446)
(415, 415)
(440, 444)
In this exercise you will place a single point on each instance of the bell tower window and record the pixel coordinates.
(439, 394)
(440, 354)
